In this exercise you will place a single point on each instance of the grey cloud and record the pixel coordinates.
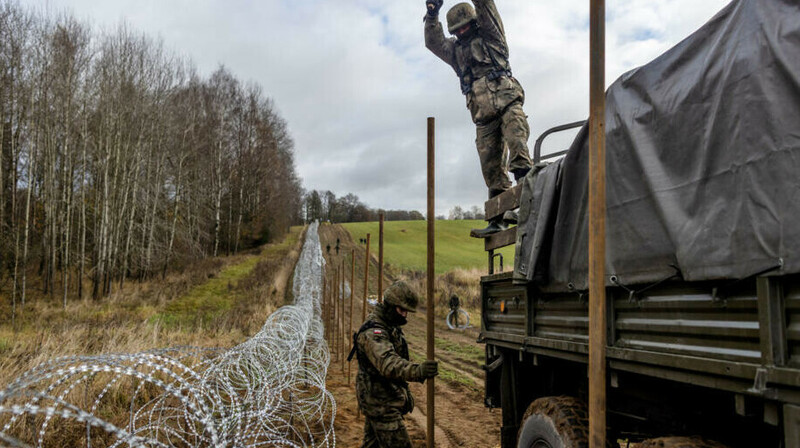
(355, 82)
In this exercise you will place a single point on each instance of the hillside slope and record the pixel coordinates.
(405, 244)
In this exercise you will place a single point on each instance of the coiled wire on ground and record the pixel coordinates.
(268, 391)
(457, 319)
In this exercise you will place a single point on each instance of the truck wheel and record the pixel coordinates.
(555, 422)
(680, 442)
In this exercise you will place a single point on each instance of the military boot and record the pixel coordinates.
(495, 225)
(511, 217)
(519, 174)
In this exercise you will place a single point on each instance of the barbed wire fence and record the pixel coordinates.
(266, 392)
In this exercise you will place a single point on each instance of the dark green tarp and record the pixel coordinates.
(703, 163)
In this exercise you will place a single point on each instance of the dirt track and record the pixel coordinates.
(461, 418)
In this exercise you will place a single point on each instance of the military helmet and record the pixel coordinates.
(460, 15)
(400, 294)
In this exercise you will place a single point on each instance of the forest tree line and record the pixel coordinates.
(325, 206)
(119, 161)
(458, 213)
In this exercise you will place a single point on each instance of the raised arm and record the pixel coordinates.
(436, 41)
(489, 20)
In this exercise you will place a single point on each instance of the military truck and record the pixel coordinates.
(703, 254)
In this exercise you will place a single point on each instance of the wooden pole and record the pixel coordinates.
(431, 272)
(380, 260)
(366, 282)
(339, 329)
(352, 290)
(341, 314)
(331, 346)
(597, 228)
(335, 314)
(326, 290)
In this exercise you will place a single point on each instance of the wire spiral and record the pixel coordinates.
(268, 391)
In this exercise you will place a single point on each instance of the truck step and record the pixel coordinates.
(501, 239)
(508, 200)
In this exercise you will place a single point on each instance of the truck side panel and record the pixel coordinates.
(736, 344)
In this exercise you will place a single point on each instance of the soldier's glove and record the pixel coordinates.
(433, 7)
(429, 369)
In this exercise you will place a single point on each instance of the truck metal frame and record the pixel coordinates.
(714, 359)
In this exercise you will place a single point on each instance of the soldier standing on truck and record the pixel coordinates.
(384, 369)
(479, 55)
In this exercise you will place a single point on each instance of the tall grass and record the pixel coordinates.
(464, 283)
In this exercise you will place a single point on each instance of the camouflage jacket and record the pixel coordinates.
(480, 62)
(384, 370)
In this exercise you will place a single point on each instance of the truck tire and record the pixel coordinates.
(555, 422)
(680, 442)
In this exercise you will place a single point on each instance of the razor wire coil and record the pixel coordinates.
(268, 391)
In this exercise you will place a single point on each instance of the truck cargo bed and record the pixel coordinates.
(746, 342)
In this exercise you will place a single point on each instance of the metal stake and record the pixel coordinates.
(335, 314)
(341, 314)
(431, 272)
(380, 261)
(352, 290)
(597, 228)
(324, 309)
(366, 282)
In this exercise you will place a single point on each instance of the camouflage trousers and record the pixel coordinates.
(510, 130)
(391, 434)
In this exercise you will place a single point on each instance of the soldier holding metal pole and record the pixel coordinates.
(479, 55)
(384, 369)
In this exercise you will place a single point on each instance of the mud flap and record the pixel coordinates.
(508, 436)
(491, 398)
(509, 401)
(791, 425)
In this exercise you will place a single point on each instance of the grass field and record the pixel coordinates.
(405, 244)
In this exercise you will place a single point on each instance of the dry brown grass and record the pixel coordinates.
(131, 320)
(465, 283)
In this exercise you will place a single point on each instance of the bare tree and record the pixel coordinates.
(117, 160)
(456, 213)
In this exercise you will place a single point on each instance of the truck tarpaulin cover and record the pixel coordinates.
(703, 163)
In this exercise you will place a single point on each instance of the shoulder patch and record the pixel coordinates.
(377, 331)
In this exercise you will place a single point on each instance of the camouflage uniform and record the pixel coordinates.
(494, 96)
(381, 383)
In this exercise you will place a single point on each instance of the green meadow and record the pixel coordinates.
(405, 244)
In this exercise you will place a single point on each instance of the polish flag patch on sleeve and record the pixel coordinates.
(377, 331)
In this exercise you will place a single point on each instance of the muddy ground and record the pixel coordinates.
(461, 418)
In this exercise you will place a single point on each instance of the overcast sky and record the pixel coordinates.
(355, 82)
